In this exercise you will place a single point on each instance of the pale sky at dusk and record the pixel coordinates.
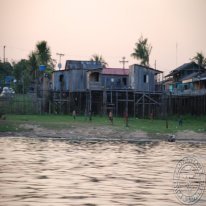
(81, 28)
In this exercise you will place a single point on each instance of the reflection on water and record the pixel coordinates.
(55, 172)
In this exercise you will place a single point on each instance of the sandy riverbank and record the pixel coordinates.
(101, 133)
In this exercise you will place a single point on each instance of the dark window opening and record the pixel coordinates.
(94, 77)
(118, 82)
(146, 78)
(61, 78)
(124, 80)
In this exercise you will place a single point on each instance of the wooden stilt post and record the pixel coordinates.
(104, 102)
(116, 103)
(149, 104)
(127, 101)
(80, 102)
(69, 102)
(90, 100)
(61, 102)
(143, 102)
(134, 104)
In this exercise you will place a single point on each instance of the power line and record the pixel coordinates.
(4, 58)
(176, 53)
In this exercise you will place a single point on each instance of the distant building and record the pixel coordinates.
(186, 79)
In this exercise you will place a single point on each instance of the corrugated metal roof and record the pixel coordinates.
(146, 67)
(199, 77)
(186, 66)
(115, 71)
(189, 76)
(88, 65)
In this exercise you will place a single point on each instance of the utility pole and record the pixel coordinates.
(123, 62)
(60, 55)
(176, 54)
(4, 60)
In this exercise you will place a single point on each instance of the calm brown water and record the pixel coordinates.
(58, 172)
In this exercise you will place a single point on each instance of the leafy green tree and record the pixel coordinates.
(99, 58)
(199, 59)
(22, 74)
(33, 63)
(142, 51)
(6, 69)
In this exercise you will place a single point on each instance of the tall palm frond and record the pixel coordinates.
(142, 51)
(99, 58)
(33, 63)
(199, 59)
(43, 52)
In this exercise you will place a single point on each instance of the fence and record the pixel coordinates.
(137, 104)
(186, 104)
(21, 104)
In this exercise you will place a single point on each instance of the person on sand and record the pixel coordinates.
(180, 120)
(90, 115)
(151, 116)
(126, 118)
(85, 114)
(74, 114)
(111, 116)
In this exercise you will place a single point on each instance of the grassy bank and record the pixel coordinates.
(13, 122)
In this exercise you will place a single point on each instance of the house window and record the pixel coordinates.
(146, 78)
(61, 78)
(94, 77)
(118, 82)
(124, 80)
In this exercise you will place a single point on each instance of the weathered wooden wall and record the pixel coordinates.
(142, 79)
(70, 80)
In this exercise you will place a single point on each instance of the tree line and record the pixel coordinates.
(26, 71)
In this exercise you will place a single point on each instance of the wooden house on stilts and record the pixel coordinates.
(87, 85)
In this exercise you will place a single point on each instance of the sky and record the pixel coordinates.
(176, 29)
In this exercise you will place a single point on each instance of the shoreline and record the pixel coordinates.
(100, 133)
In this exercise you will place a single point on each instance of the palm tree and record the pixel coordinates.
(43, 53)
(142, 51)
(33, 63)
(199, 59)
(99, 58)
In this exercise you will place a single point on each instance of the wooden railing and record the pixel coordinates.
(95, 85)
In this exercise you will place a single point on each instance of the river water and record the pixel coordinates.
(58, 172)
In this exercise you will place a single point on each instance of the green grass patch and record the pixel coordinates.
(8, 126)
(197, 124)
